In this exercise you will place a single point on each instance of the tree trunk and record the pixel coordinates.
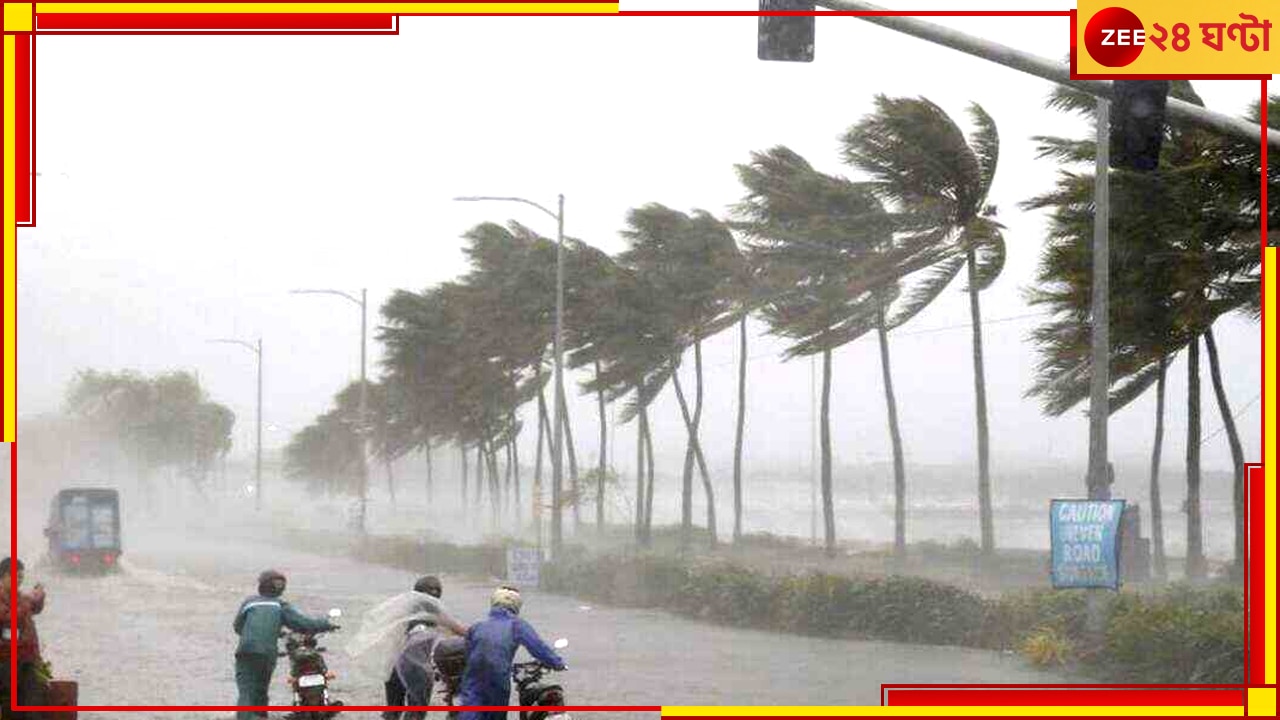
(1196, 566)
(697, 430)
(640, 535)
(702, 463)
(551, 446)
(649, 470)
(980, 388)
(573, 459)
(686, 487)
(604, 447)
(480, 474)
(462, 452)
(515, 460)
(742, 419)
(1157, 511)
(391, 479)
(1237, 452)
(506, 490)
(506, 475)
(430, 480)
(537, 466)
(495, 487)
(828, 503)
(895, 436)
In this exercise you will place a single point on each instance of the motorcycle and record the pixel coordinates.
(450, 660)
(449, 657)
(309, 676)
(533, 692)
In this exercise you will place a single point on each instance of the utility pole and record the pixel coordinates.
(362, 422)
(257, 465)
(557, 478)
(1047, 69)
(1100, 382)
(558, 409)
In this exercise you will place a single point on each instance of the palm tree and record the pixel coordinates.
(590, 308)
(818, 245)
(921, 162)
(687, 260)
(632, 338)
(742, 290)
(326, 454)
(1186, 254)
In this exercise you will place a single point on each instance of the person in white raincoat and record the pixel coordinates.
(398, 636)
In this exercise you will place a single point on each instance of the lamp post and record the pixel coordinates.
(557, 344)
(363, 419)
(257, 463)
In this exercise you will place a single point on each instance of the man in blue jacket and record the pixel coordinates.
(258, 624)
(491, 648)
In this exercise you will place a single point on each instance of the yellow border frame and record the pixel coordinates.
(17, 18)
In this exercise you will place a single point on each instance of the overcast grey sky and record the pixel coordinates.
(190, 182)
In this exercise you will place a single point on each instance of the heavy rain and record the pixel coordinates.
(774, 368)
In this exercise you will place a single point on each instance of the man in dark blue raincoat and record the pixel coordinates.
(491, 648)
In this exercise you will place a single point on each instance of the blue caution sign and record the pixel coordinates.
(1086, 543)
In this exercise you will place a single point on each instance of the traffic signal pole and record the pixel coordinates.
(1046, 69)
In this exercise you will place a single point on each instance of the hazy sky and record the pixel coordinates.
(190, 182)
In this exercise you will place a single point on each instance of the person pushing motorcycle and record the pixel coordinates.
(411, 676)
(491, 647)
(258, 623)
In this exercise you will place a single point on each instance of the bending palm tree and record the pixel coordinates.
(920, 161)
(820, 251)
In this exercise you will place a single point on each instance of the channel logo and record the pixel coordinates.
(1114, 37)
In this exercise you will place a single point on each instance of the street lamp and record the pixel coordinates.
(257, 464)
(362, 421)
(557, 345)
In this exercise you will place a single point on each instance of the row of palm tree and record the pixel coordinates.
(1187, 253)
(823, 260)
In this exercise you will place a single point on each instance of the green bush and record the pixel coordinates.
(1015, 615)
(730, 594)
(1047, 646)
(896, 608)
(1180, 636)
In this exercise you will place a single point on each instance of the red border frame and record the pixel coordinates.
(217, 24)
(1050, 695)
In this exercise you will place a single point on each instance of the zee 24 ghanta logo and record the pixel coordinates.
(1115, 37)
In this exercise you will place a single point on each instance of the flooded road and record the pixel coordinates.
(159, 633)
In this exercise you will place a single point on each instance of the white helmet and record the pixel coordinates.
(506, 597)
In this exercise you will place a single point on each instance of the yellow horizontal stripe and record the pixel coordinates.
(851, 711)
(392, 8)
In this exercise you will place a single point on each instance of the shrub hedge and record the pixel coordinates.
(1178, 635)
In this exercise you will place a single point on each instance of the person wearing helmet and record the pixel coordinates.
(258, 623)
(491, 647)
(411, 676)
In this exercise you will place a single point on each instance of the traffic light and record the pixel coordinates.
(786, 38)
(1137, 123)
